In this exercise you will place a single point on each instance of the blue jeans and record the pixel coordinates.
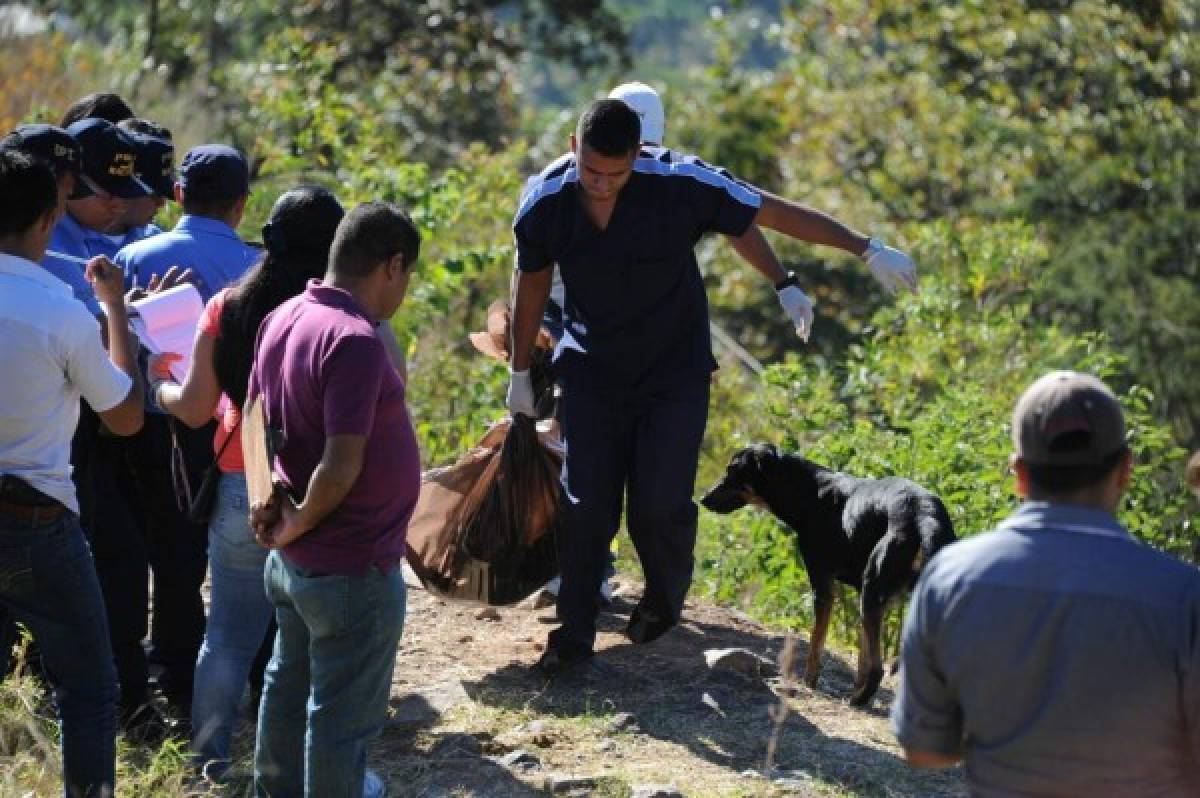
(326, 691)
(48, 582)
(238, 616)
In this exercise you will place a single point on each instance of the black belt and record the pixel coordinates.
(21, 500)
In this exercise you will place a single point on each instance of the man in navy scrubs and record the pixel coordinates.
(635, 356)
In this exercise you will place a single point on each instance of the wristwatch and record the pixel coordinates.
(790, 280)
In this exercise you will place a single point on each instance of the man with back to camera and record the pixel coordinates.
(350, 474)
(213, 185)
(635, 357)
(1057, 655)
(52, 356)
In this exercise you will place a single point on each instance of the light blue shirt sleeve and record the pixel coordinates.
(69, 271)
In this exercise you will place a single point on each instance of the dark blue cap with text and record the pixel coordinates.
(155, 163)
(109, 158)
(52, 144)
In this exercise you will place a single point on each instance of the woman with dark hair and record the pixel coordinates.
(297, 237)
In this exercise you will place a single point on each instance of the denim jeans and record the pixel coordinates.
(328, 683)
(48, 582)
(238, 615)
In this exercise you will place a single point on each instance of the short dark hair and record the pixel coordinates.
(97, 105)
(1059, 480)
(144, 126)
(28, 191)
(370, 234)
(217, 208)
(610, 127)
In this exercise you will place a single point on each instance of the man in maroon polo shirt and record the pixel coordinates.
(350, 472)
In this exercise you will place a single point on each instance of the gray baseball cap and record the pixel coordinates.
(1068, 419)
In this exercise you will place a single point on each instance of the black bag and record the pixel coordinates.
(197, 505)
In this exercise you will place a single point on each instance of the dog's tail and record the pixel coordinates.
(935, 530)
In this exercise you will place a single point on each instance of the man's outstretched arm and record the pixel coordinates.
(803, 223)
(891, 267)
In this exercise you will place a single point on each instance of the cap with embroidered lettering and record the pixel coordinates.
(155, 164)
(52, 144)
(109, 158)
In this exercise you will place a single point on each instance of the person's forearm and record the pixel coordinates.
(753, 247)
(531, 291)
(808, 224)
(327, 488)
(175, 399)
(120, 348)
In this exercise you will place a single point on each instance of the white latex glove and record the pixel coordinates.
(520, 394)
(891, 267)
(799, 308)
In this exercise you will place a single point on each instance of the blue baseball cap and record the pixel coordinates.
(214, 171)
(51, 144)
(109, 158)
(155, 164)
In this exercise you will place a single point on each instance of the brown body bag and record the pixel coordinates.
(485, 528)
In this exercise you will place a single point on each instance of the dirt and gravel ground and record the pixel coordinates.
(470, 718)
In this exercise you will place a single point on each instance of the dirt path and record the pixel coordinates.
(469, 717)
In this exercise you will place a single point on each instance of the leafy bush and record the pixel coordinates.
(927, 395)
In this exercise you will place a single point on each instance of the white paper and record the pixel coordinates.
(166, 322)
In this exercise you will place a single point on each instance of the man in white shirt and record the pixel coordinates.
(53, 356)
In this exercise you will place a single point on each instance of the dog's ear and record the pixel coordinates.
(764, 453)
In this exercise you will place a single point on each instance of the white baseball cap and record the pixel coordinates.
(648, 105)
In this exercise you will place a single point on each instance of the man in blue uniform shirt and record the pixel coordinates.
(212, 187)
(155, 167)
(635, 356)
(59, 150)
(109, 156)
(213, 183)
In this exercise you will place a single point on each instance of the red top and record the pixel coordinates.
(228, 415)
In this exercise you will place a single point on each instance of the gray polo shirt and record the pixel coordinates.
(1061, 655)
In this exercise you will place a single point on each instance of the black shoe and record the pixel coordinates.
(645, 626)
(556, 661)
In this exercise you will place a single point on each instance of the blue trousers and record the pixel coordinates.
(640, 450)
(48, 582)
(239, 614)
(327, 686)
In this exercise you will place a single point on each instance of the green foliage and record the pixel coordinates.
(928, 395)
(462, 52)
(1037, 158)
(1076, 117)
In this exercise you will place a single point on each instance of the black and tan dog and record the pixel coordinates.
(871, 534)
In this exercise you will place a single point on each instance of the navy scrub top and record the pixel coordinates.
(636, 315)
